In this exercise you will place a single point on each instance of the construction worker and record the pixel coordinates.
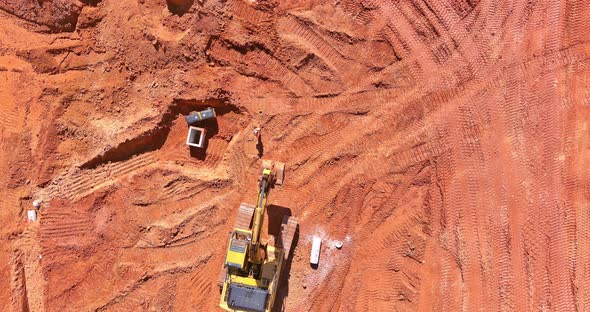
(257, 132)
(259, 146)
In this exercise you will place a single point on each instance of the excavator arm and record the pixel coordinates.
(264, 184)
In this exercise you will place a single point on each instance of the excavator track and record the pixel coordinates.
(285, 239)
(244, 217)
(243, 220)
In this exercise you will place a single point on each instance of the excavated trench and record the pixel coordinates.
(155, 138)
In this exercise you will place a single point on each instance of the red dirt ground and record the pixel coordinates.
(446, 143)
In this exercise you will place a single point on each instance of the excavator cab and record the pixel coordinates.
(238, 249)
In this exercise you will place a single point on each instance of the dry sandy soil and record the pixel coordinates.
(447, 143)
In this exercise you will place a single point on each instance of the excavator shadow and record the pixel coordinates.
(283, 291)
(275, 217)
(212, 128)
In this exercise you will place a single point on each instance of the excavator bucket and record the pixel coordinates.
(277, 168)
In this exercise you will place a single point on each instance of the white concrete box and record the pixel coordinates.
(196, 136)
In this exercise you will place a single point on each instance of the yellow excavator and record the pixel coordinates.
(252, 269)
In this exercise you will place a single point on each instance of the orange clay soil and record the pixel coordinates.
(446, 143)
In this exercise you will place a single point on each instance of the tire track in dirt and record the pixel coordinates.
(139, 284)
(374, 78)
(432, 205)
(83, 182)
(457, 40)
(301, 32)
(451, 232)
(560, 268)
(210, 157)
(62, 231)
(570, 130)
(27, 279)
(463, 7)
(216, 151)
(304, 34)
(576, 13)
(449, 270)
(8, 109)
(505, 220)
(515, 116)
(491, 233)
(264, 64)
(515, 112)
(382, 253)
(183, 189)
(19, 300)
(476, 162)
(237, 161)
(356, 11)
(570, 183)
(247, 13)
(74, 225)
(202, 283)
(462, 192)
(538, 278)
(578, 190)
(407, 34)
(380, 206)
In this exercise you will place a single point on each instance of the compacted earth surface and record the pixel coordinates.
(445, 143)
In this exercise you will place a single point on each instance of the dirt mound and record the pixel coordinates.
(443, 142)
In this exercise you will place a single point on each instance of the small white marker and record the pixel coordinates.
(315, 250)
(32, 215)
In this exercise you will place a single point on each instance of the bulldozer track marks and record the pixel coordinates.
(10, 117)
(202, 283)
(8, 109)
(84, 182)
(182, 190)
(244, 11)
(455, 38)
(264, 64)
(18, 299)
(59, 224)
(462, 7)
(64, 230)
(27, 281)
(215, 153)
(405, 29)
(391, 230)
(319, 46)
(356, 11)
